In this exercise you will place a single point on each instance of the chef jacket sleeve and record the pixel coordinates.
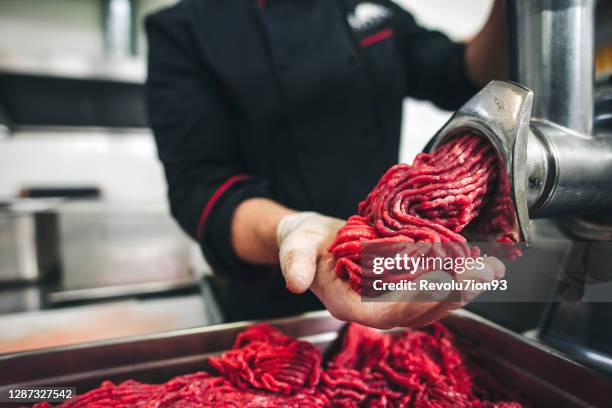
(190, 115)
(435, 65)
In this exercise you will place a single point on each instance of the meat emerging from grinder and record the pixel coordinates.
(432, 201)
(413, 368)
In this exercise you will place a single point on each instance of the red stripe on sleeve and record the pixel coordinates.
(376, 37)
(215, 197)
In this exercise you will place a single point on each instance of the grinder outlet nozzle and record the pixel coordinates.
(501, 112)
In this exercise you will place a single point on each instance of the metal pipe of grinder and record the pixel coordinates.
(555, 166)
(568, 174)
(119, 35)
(551, 51)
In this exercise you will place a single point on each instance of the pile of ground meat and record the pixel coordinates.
(266, 368)
(432, 201)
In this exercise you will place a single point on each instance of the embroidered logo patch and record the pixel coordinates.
(367, 16)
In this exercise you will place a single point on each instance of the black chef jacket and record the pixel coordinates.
(296, 100)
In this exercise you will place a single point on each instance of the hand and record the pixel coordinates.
(303, 239)
(390, 310)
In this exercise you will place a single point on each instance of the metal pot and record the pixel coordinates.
(29, 243)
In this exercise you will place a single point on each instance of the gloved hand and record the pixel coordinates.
(303, 239)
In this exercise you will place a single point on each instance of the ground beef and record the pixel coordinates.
(413, 368)
(264, 358)
(201, 390)
(432, 201)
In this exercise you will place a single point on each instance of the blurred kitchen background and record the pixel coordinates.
(87, 247)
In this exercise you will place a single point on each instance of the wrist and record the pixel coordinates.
(254, 228)
(290, 222)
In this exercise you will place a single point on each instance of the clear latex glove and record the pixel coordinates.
(302, 239)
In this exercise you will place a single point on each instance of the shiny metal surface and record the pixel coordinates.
(581, 330)
(18, 300)
(29, 247)
(118, 27)
(119, 291)
(596, 227)
(501, 111)
(589, 228)
(541, 169)
(603, 109)
(556, 167)
(551, 52)
(116, 248)
(107, 251)
(579, 170)
(543, 375)
(558, 66)
(569, 167)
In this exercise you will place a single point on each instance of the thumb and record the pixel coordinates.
(298, 263)
(494, 269)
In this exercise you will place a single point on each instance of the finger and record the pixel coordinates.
(424, 302)
(494, 269)
(400, 308)
(434, 314)
(498, 267)
(336, 295)
(400, 314)
(346, 304)
(298, 264)
(392, 309)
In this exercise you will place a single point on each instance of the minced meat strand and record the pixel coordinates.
(432, 201)
(412, 368)
(264, 358)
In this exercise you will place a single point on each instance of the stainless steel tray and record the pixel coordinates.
(543, 376)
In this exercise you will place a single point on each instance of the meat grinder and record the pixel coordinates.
(558, 167)
(542, 123)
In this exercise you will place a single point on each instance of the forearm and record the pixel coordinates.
(486, 54)
(254, 230)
